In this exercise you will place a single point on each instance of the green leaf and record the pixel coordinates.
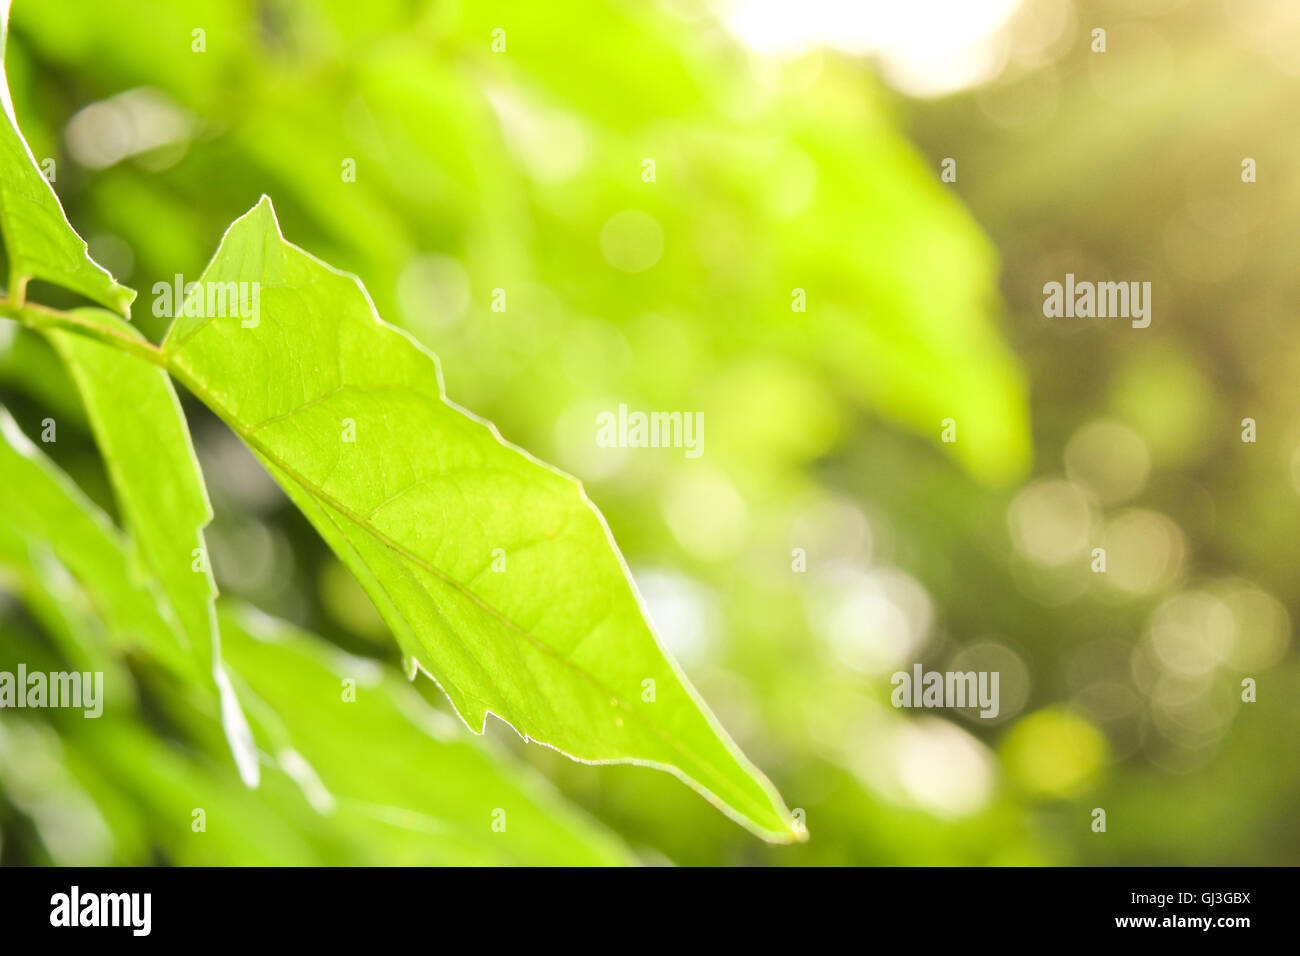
(145, 443)
(423, 501)
(39, 240)
(55, 599)
(43, 509)
(433, 791)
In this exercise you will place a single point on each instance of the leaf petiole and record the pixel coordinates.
(36, 316)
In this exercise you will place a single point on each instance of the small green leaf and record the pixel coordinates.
(39, 240)
(145, 444)
(495, 572)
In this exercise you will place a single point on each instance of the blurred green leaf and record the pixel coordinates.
(43, 508)
(326, 710)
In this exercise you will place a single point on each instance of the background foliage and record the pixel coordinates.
(478, 171)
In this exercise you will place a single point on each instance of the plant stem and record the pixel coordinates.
(42, 317)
